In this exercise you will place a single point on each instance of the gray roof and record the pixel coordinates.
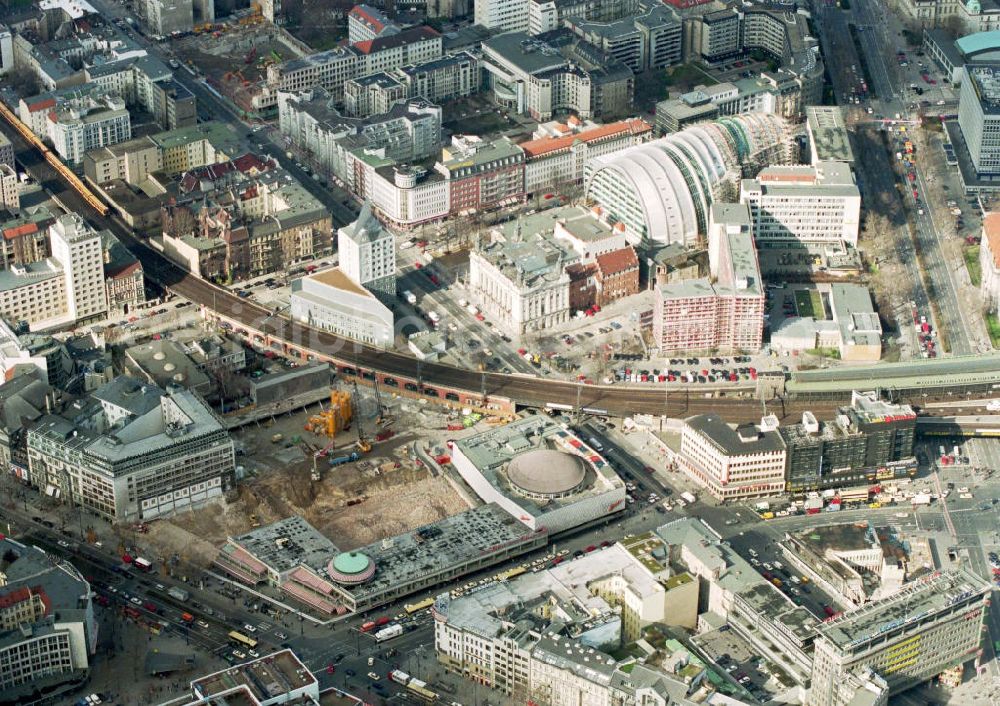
(287, 543)
(729, 440)
(366, 228)
(131, 394)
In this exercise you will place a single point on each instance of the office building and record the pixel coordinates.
(989, 260)
(740, 462)
(502, 15)
(373, 94)
(645, 189)
(164, 17)
(80, 251)
(650, 37)
(365, 23)
(929, 626)
(557, 152)
(276, 678)
(797, 206)
(739, 596)
(527, 277)
(131, 451)
(368, 254)
(528, 636)
(829, 140)
(869, 442)
(979, 116)
(482, 173)
(331, 69)
(541, 473)
(66, 287)
(48, 631)
(332, 301)
(724, 311)
(556, 72)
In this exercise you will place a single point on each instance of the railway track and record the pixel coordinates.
(360, 358)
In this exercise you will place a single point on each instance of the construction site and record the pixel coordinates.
(339, 465)
(234, 57)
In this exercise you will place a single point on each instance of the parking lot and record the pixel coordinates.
(742, 662)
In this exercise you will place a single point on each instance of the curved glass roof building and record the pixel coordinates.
(660, 191)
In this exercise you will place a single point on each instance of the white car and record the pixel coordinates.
(373, 676)
(203, 625)
(249, 628)
(993, 406)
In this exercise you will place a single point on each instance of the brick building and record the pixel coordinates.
(617, 275)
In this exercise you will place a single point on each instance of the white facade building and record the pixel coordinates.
(733, 463)
(554, 481)
(79, 249)
(368, 254)
(332, 301)
(133, 452)
(502, 15)
(558, 151)
(804, 205)
(75, 130)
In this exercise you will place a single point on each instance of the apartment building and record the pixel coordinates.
(453, 76)
(78, 126)
(740, 462)
(331, 69)
(10, 188)
(724, 311)
(932, 624)
(132, 451)
(48, 630)
(792, 206)
(558, 151)
(347, 147)
(6, 150)
(123, 276)
(243, 218)
(989, 260)
(368, 254)
(332, 301)
(372, 95)
(131, 161)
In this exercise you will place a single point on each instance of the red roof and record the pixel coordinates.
(408, 36)
(42, 105)
(623, 260)
(545, 145)
(18, 595)
(991, 234)
(372, 21)
(121, 271)
(18, 231)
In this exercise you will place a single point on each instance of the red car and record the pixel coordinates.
(591, 548)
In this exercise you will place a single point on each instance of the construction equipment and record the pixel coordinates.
(336, 418)
(364, 446)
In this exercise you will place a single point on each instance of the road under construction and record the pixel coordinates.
(491, 392)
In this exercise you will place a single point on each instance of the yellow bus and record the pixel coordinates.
(242, 639)
(510, 573)
(422, 692)
(412, 608)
